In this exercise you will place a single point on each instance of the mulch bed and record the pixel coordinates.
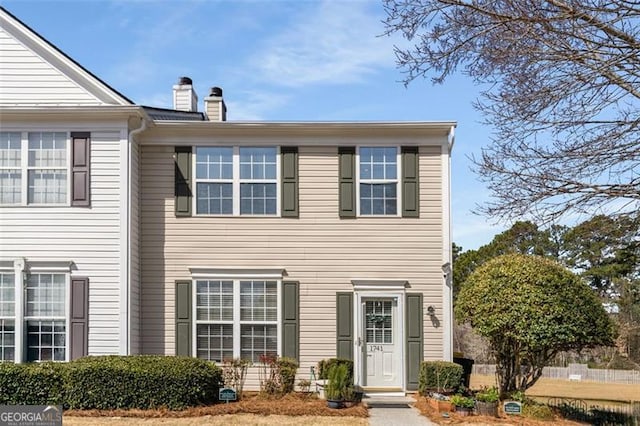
(455, 419)
(251, 403)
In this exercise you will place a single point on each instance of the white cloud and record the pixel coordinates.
(254, 105)
(337, 43)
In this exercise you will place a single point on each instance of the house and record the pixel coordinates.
(218, 239)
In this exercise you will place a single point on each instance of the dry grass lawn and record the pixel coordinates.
(564, 388)
(224, 420)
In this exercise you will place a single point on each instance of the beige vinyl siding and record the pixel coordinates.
(27, 79)
(89, 237)
(321, 251)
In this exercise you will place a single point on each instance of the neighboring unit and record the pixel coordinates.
(197, 236)
(68, 223)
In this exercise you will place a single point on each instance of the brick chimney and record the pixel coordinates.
(214, 105)
(184, 97)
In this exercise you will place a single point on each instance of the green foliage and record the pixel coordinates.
(326, 364)
(439, 376)
(529, 308)
(462, 401)
(288, 368)
(339, 382)
(522, 237)
(112, 382)
(32, 384)
(277, 375)
(488, 395)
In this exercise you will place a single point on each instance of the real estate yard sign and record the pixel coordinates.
(513, 407)
(227, 394)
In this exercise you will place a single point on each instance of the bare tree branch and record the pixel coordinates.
(561, 83)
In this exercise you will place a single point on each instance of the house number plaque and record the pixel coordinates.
(375, 348)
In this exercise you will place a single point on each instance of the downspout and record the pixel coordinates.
(132, 134)
(447, 259)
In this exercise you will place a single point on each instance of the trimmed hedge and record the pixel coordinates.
(439, 376)
(111, 382)
(326, 364)
(32, 384)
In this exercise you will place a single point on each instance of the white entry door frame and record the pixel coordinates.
(370, 290)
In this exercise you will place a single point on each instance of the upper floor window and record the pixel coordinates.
(34, 168)
(237, 180)
(378, 177)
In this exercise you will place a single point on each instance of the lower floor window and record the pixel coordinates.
(44, 322)
(7, 340)
(236, 318)
(46, 340)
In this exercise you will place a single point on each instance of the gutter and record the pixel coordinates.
(127, 334)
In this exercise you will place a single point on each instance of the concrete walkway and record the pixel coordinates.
(394, 410)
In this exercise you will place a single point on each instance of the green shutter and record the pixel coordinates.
(410, 182)
(347, 180)
(289, 161)
(344, 325)
(183, 318)
(183, 191)
(290, 319)
(414, 336)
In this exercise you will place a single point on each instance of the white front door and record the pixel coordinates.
(382, 355)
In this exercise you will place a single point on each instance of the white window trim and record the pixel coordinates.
(21, 268)
(397, 181)
(24, 169)
(236, 181)
(10, 271)
(236, 278)
(67, 313)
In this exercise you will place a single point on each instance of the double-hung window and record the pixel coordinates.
(33, 316)
(378, 180)
(7, 316)
(34, 168)
(236, 318)
(237, 181)
(214, 173)
(45, 317)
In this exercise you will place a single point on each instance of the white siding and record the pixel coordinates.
(28, 80)
(89, 237)
(318, 249)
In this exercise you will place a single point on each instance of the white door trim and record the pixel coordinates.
(358, 361)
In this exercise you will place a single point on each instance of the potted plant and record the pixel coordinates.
(463, 404)
(440, 402)
(487, 401)
(338, 386)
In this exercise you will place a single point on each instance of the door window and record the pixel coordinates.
(379, 321)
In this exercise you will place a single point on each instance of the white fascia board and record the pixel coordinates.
(226, 273)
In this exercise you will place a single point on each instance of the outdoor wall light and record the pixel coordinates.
(431, 310)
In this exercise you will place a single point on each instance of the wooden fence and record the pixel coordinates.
(575, 372)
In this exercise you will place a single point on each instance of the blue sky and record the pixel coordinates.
(276, 60)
